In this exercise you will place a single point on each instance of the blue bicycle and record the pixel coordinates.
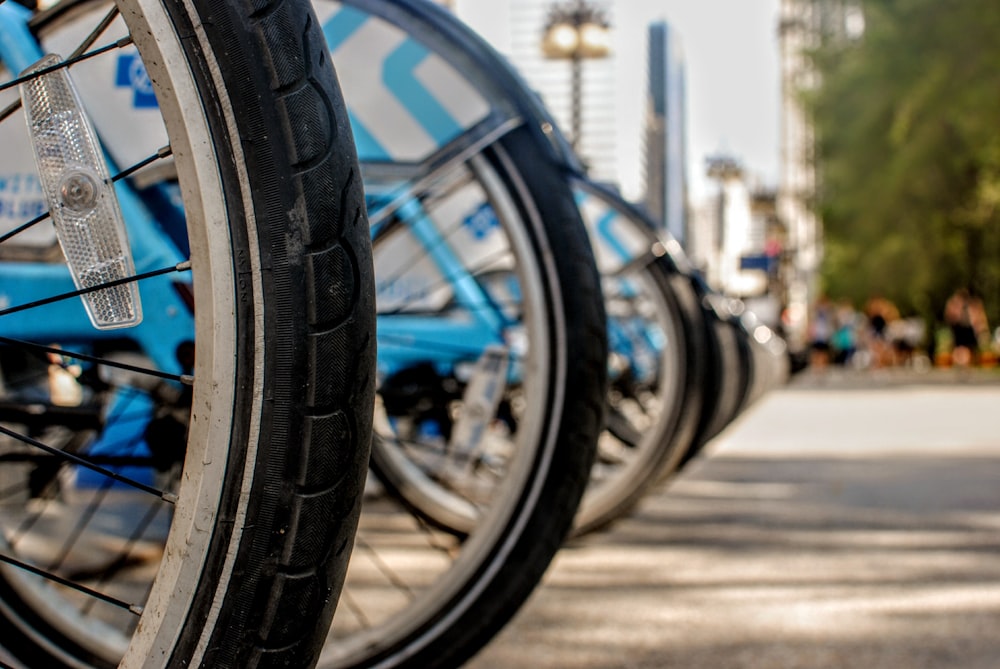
(491, 334)
(457, 155)
(186, 334)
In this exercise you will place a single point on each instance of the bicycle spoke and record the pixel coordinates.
(115, 567)
(26, 226)
(472, 308)
(403, 268)
(383, 567)
(16, 81)
(447, 280)
(84, 462)
(179, 267)
(85, 518)
(410, 343)
(385, 209)
(160, 154)
(133, 608)
(7, 111)
(349, 603)
(367, 551)
(186, 379)
(98, 30)
(56, 568)
(29, 522)
(100, 460)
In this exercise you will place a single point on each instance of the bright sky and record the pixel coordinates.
(732, 68)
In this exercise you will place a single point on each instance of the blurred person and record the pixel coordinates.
(821, 329)
(880, 312)
(966, 318)
(907, 336)
(845, 337)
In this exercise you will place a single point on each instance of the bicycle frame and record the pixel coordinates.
(168, 320)
(411, 137)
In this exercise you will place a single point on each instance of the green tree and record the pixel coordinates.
(908, 132)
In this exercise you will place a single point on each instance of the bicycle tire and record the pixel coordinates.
(504, 556)
(284, 377)
(729, 378)
(769, 360)
(476, 583)
(652, 421)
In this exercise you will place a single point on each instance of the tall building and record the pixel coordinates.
(726, 236)
(665, 150)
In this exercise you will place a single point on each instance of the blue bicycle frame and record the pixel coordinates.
(168, 321)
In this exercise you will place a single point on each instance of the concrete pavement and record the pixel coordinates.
(848, 520)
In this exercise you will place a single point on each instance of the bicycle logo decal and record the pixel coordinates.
(481, 222)
(417, 104)
(132, 74)
(21, 196)
(404, 289)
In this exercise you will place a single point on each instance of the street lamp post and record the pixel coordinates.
(575, 31)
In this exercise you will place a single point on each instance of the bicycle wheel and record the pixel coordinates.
(491, 341)
(509, 492)
(253, 450)
(768, 358)
(728, 380)
(657, 361)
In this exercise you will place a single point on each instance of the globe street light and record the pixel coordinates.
(574, 31)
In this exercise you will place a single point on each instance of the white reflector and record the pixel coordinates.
(80, 195)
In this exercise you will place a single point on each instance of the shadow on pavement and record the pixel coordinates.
(761, 562)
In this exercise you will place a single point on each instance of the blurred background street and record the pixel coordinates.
(848, 520)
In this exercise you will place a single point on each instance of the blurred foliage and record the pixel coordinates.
(908, 132)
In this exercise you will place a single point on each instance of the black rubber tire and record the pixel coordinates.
(727, 381)
(664, 456)
(275, 555)
(536, 525)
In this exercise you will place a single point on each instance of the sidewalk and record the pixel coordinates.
(845, 521)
